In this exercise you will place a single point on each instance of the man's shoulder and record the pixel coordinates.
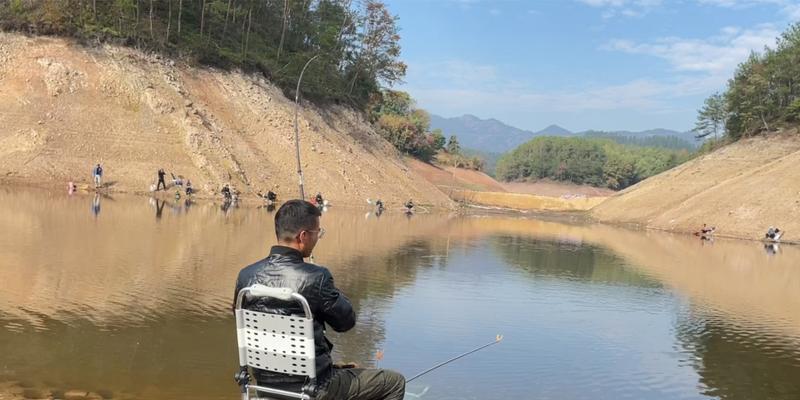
(254, 266)
(314, 269)
(270, 261)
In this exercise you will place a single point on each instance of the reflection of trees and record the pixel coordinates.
(370, 282)
(567, 259)
(739, 362)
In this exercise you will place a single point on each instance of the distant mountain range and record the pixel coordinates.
(495, 136)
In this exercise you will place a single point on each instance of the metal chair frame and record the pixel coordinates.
(273, 342)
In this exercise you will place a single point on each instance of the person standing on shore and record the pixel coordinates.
(161, 182)
(98, 175)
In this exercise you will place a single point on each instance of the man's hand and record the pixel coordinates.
(348, 365)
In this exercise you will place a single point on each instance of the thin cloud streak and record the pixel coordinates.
(636, 96)
(716, 56)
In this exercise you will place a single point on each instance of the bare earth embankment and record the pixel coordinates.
(477, 188)
(742, 189)
(64, 108)
(546, 187)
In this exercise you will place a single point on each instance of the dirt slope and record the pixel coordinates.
(64, 108)
(742, 189)
(546, 187)
(450, 178)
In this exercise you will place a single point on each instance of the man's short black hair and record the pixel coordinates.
(293, 217)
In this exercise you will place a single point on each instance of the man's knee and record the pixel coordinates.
(395, 384)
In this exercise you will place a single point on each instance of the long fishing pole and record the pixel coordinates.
(442, 364)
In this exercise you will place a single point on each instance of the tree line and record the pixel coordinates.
(396, 117)
(763, 95)
(598, 162)
(664, 142)
(357, 42)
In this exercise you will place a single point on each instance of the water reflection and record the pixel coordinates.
(737, 359)
(565, 259)
(772, 248)
(96, 204)
(589, 312)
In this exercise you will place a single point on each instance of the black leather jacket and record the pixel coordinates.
(284, 267)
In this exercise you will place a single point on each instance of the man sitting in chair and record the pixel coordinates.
(297, 227)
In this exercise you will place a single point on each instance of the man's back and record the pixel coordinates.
(284, 267)
(297, 228)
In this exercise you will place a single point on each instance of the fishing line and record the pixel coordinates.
(497, 339)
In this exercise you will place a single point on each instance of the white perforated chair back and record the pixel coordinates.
(277, 343)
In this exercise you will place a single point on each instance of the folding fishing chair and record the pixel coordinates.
(278, 343)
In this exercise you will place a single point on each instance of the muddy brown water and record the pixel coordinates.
(129, 297)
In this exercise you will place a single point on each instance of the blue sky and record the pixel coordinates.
(581, 64)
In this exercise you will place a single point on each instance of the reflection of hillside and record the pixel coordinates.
(735, 362)
(154, 353)
(566, 260)
(125, 263)
(752, 298)
(57, 259)
(737, 278)
(152, 295)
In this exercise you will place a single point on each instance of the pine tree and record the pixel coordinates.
(712, 117)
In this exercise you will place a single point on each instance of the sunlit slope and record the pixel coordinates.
(742, 189)
(64, 108)
(451, 178)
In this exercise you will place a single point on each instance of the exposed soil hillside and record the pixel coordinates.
(64, 108)
(477, 188)
(546, 187)
(742, 189)
(451, 178)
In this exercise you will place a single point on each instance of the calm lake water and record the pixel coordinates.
(130, 297)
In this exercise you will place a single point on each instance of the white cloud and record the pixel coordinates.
(738, 3)
(604, 3)
(456, 85)
(792, 11)
(641, 95)
(626, 8)
(717, 56)
(789, 8)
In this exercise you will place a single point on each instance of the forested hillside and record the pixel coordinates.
(356, 43)
(597, 162)
(663, 142)
(762, 96)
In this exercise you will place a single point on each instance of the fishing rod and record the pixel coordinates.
(496, 340)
